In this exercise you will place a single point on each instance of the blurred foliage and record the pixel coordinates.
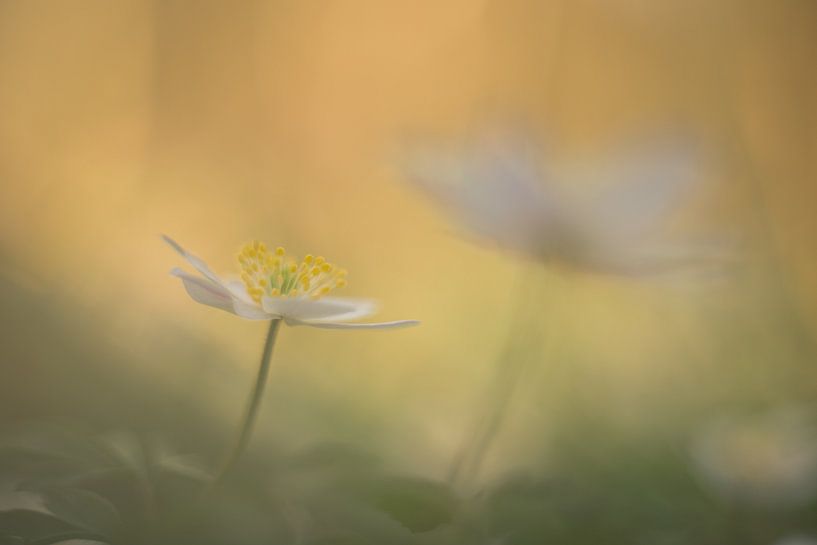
(69, 481)
(123, 489)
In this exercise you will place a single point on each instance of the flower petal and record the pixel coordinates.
(644, 186)
(250, 311)
(207, 292)
(375, 325)
(196, 262)
(327, 308)
(239, 291)
(492, 186)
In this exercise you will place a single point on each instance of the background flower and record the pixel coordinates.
(767, 458)
(597, 214)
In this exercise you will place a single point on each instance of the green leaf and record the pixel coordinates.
(30, 525)
(418, 504)
(83, 509)
(342, 539)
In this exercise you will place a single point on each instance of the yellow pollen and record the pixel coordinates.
(272, 274)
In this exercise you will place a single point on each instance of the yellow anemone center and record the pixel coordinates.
(274, 274)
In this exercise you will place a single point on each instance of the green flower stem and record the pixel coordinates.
(510, 367)
(253, 404)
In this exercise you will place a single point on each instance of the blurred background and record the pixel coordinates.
(652, 413)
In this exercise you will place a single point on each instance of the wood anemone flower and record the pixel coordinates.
(274, 286)
(601, 215)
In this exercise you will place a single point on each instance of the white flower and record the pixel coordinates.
(274, 286)
(498, 188)
(796, 539)
(768, 458)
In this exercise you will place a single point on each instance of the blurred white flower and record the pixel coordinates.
(274, 286)
(499, 188)
(796, 540)
(766, 459)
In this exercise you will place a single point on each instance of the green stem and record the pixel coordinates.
(510, 367)
(253, 404)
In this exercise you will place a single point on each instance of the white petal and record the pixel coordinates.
(493, 186)
(239, 290)
(196, 262)
(352, 309)
(376, 325)
(207, 292)
(250, 311)
(662, 259)
(327, 308)
(644, 187)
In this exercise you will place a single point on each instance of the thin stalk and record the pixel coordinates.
(253, 404)
(508, 380)
(509, 368)
(472, 451)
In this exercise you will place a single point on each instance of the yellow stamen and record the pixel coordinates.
(266, 273)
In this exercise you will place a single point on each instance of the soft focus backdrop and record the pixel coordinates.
(222, 122)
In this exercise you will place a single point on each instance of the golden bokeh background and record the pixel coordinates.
(220, 122)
